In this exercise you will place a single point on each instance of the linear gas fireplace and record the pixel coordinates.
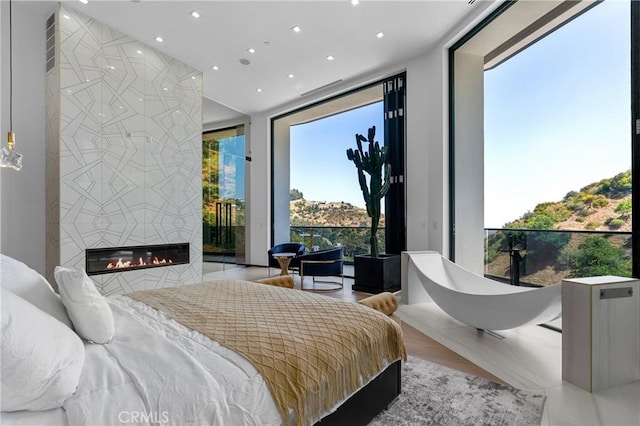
(119, 259)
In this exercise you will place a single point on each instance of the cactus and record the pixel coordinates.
(372, 161)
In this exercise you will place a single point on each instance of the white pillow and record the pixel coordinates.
(89, 311)
(18, 278)
(41, 358)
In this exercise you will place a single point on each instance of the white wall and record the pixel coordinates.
(281, 181)
(3, 116)
(22, 205)
(469, 161)
(259, 191)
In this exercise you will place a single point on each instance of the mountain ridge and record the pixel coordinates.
(604, 205)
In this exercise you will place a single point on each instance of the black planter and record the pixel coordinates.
(376, 274)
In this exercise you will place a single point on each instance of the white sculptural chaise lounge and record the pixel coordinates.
(480, 302)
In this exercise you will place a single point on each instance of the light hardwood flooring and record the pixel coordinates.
(417, 343)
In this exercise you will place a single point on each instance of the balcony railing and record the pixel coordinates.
(520, 256)
(354, 239)
(544, 257)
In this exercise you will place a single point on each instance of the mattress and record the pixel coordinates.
(157, 371)
(154, 362)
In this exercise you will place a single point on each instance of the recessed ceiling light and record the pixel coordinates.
(355, 2)
(140, 99)
(258, 90)
(194, 13)
(193, 77)
(330, 58)
(159, 39)
(251, 50)
(139, 52)
(296, 29)
(66, 16)
(84, 1)
(215, 68)
(165, 88)
(290, 75)
(379, 34)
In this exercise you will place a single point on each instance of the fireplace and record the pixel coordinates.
(120, 259)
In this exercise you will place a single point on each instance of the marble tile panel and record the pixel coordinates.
(126, 177)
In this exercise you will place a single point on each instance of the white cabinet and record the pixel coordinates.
(600, 331)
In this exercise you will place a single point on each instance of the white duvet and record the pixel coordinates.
(156, 371)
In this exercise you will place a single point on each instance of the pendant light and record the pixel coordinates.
(9, 156)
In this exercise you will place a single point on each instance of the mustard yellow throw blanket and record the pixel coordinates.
(313, 351)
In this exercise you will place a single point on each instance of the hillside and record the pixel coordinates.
(600, 206)
(549, 257)
(323, 213)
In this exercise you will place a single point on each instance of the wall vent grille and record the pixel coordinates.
(51, 43)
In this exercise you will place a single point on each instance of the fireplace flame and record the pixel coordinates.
(120, 264)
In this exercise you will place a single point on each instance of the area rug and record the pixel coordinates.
(437, 395)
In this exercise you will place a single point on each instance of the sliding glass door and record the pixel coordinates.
(542, 174)
(223, 195)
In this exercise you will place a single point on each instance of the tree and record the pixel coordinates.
(294, 194)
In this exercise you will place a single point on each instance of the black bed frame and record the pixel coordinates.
(365, 404)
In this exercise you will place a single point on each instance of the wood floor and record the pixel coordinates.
(418, 344)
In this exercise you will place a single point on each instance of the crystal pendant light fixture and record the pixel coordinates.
(9, 156)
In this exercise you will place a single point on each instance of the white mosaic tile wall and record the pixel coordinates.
(128, 153)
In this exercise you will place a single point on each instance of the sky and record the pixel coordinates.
(319, 165)
(556, 119)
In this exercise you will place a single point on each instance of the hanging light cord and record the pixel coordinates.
(10, 69)
(10, 142)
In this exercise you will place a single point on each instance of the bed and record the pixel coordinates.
(226, 352)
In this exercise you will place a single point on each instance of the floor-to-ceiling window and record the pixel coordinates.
(541, 143)
(316, 195)
(223, 195)
(327, 207)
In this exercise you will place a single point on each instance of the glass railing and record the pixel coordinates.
(354, 239)
(544, 257)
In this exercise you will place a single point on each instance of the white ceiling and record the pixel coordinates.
(226, 29)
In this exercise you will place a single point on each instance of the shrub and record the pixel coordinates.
(494, 245)
(569, 195)
(596, 257)
(614, 222)
(624, 207)
(621, 185)
(600, 201)
(592, 225)
(574, 205)
(584, 213)
(587, 198)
